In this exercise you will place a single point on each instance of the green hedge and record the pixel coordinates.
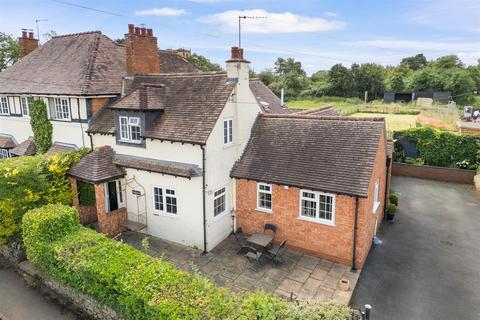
(140, 286)
(31, 182)
(86, 193)
(440, 148)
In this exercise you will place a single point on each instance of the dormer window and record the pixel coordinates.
(130, 129)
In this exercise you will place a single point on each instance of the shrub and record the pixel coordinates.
(41, 127)
(394, 198)
(86, 193)
(316, 311)
(137, 285)
(31, 182)
(391, 208)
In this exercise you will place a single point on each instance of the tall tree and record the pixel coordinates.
(203, 63)
(368, 77)
(447, 62)
(9, 51)
(41, 126)
(341, 82)
(416, 62)
(288, 66)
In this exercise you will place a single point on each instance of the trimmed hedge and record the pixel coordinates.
(31, 182)
(140, 286)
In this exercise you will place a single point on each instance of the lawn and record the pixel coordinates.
(394, 122)
(345, 106)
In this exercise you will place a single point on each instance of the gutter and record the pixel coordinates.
(389, 162)
(204, 190)
(354, 253)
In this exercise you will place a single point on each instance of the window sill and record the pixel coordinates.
(322, 222)
(61, 120)
(263, 210)
(228, 145)
(165, 214)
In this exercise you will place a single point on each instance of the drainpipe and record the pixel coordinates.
(204, 189)
(354, 253)
(91, 140)
(389, 161)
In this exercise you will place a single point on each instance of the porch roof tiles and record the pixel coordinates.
(7, 142)
(26, 148)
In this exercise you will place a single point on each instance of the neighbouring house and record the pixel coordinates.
(321, 180)
(75, 75)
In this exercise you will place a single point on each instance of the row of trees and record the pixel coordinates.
(415, 73)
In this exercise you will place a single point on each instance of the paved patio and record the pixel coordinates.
(308, 277)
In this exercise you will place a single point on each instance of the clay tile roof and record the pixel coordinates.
(145, 97)
(186, 170)
(7, 142)
(330, 154)
(58, 147)
(269, 102)
(326, 111)
(96, 167)
(193, 103)
(26, 148)
(172, 62)
(390, 147)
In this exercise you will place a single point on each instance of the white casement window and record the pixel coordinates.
(227, 131)
(130, 129)
(317, 207)
(164, 200)
(264, 197)
(26, 103)
(4, 109)
(4, 153)
(62, 109)
(219, 202)
(376, 201)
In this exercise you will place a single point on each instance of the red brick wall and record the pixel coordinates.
(108, 222)
(27, 44)
(142, 51)
(331, 242)
(434, 173)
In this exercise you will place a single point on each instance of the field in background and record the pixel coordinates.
(345, 106)
(394, 122)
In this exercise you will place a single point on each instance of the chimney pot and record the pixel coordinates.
(237, 53)
(150, 32)
(137, 30)
(30, 35)
(24, 34)
(143, 31)
(130, 28)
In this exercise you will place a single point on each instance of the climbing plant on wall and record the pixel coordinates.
(41, 126)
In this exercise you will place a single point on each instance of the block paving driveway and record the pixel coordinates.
(428, 266)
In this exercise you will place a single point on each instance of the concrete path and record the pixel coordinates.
(18, 302)
(429, 264)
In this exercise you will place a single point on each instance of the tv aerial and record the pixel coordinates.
(240, 26)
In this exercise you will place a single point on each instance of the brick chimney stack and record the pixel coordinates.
(27, 43)
(142, 50)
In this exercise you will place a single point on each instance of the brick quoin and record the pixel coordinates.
(142, 51)
(334, 243)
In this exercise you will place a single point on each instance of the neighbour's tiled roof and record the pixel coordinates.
(269, 102)
(96, 167)
(59, 147)
(7, 142)
(326, 111)
(193, 103)
(145, 97)
(390, 147)
(330, 154)
(26, 148)
(186, 170)
(86, 63)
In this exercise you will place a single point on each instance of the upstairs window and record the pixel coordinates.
(26, 104)
(4, 109)
(264, 197)
(376, 201)
(227, 131)
(130, 130)
(317, 207)
(219, 202)
(62, 109)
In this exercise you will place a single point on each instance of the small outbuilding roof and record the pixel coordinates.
(59, 147)
(330, 154)
(7, 142)
(26, 148)
(96, 167)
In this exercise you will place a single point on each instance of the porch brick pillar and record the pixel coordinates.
(109, 223)
(74, 186)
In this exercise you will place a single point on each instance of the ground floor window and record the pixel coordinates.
(4, 153)
(164, 200)
(219, 202)
(317, 206)
(264, 196)
(113, 195)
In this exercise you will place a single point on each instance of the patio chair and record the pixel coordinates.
(270, 227)
(240, 237)
(276, 252)
(252, 253)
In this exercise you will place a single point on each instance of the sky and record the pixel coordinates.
(319, 33)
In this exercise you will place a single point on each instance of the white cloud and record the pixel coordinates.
(161, 12)
(331, 14)
(276, 22)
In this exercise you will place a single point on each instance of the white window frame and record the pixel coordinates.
(227, 131)
(316, 199)
(130, 122)
(25, 105)
(4, 153)
(123, 128)
(164, 199)
(218, 194)
(4, 106)
(62, 110)
(376, 192)
(269, 192)
(135, 122)
(120, 195)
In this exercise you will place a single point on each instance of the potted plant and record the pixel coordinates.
(391, 208)
(394, 198)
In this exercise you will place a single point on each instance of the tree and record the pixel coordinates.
(49, 35)
(394, 81)
(459, 82)
(266, 76)
(9, 51)
(41, 126)
(426, 79)
(120, 41)
(414, 62)
(341, 82)
(203, 63)
(447, 62)
(287, 66)
(474, 72)
(368, 77)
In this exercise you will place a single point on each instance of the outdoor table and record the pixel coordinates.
(260, 239)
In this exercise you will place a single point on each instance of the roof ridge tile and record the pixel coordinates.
(76, 34)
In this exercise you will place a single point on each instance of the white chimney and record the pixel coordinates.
(238, 69)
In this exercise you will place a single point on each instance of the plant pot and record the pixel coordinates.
(344, 284)
(390, 216)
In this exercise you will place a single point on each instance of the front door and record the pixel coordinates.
(112, 196)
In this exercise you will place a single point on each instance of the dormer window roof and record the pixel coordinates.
(146, 97)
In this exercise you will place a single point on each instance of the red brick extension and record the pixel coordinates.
(330, 242)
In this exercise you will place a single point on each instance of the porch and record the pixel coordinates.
(308, 277)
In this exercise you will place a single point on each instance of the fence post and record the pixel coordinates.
(368, 309)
